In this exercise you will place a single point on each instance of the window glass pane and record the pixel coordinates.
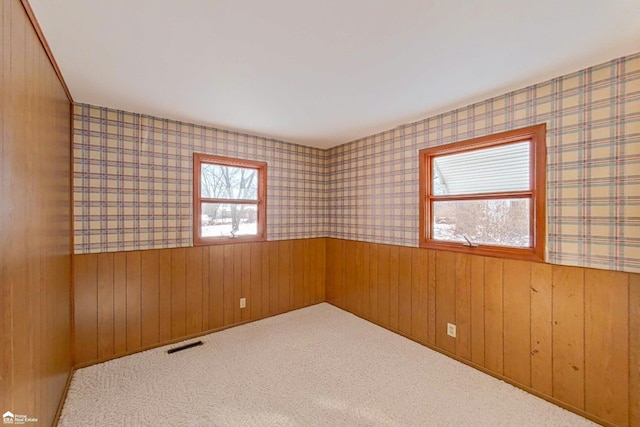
(227, 182)
(229, 219)
(487, 170)
(502, 222)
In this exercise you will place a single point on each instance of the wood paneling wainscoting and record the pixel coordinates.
(566, 333)
(35, 222)
(127, 301)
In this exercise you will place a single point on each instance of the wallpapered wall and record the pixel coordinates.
(133, 180)
(593, 166)
(133, 172)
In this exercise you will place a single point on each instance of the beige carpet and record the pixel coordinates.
(311, 367)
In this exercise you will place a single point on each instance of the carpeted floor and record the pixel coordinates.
(311, 367)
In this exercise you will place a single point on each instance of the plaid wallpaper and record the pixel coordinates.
(132, 172)
(133, 180)
(593, 166)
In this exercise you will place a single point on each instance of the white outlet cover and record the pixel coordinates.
(451, 330)
(243, 302)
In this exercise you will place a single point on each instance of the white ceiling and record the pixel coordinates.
(322, 73)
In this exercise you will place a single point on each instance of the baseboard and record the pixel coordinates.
(177, 340)
(482, 369)
(508, 380)
(160, 344)
(63, 398)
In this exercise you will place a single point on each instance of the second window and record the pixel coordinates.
(486, 195)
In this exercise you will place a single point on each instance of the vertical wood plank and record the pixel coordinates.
(493, 327)
(404, 290)
(445, 299)
(16, 271)
(37, 292)
(284, 275)
(607, 345)
(314, 269)
(237, 282)
(431, 297)
(373, 282)
(164, 302)
(7, 302)
(339, 263)
(299, 288)
(274, 278)
(331, 272)
(383, 285)
(463, 305)
(357, 279)
(292, 273)
(105, 305)
(31, 290)
(193, 290)
(349, 287)
(255, 301)
(245, 253)
(178, 292)
(541, 335)
(86, 307)
(365, 308)
(20, 274)
(265, 281)
(205, 288)
(228, 285)
(150, 283)
(517, 320)
(134, 302)
(568, 335)
(216, 287)
(341, 273)
(477, 309)
(634, 350)
(120, 302)
(321, 266)
(309, 252)
(419, 294)
(394, 296)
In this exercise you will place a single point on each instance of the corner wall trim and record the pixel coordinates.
(45, 45)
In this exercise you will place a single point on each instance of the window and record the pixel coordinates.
(486, 195)
(229, 200)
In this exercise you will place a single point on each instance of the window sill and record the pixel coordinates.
(525, 254)
(228, 240)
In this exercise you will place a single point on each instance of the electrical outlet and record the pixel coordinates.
(451, 330)
(243, 302)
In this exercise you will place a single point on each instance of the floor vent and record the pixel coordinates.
(185, 347)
